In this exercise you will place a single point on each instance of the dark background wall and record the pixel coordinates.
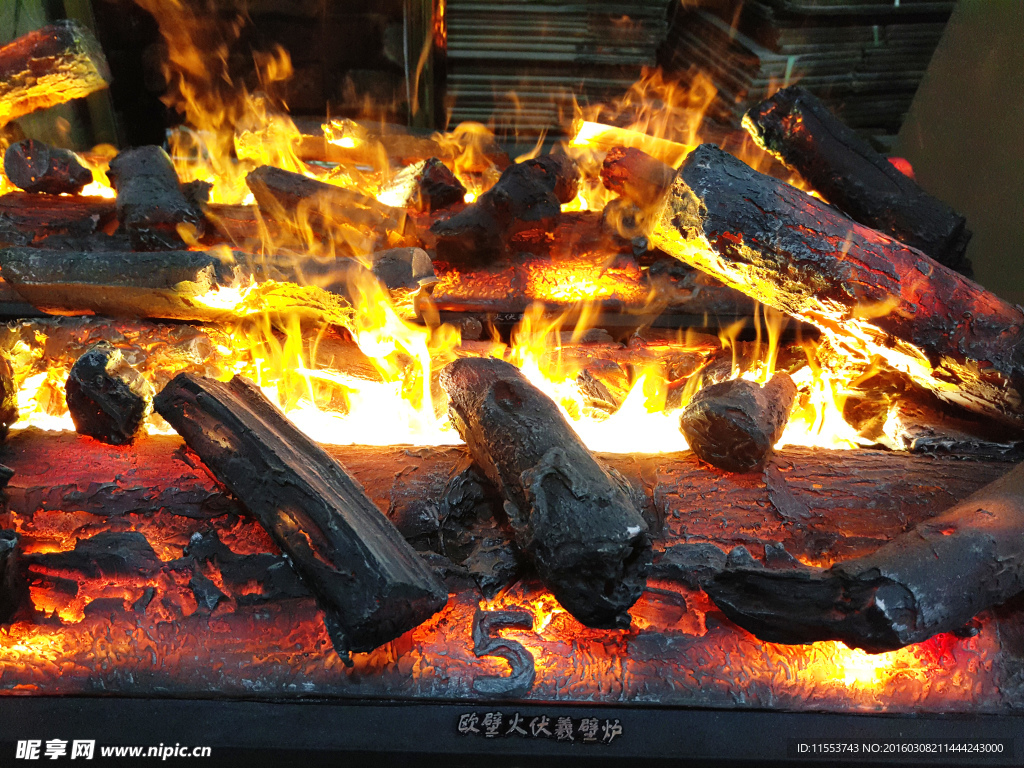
(964, 135)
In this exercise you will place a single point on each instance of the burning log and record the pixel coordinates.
(341, 215)
(161, 284)
(932, 579)
(529, 195)
(735, 424)
(796, 127)
(150, 203)
(108, 399)
(820, 504)
(52, 65)
(27, 218)
(589, 544)
(36, 167)
(636, 176)
(864, 289)
(370, 583)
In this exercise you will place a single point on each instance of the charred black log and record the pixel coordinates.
(932, 579)
(150, 203)
(796, 127)
(50, 66)
(110, 554)
(589, 544)
(528, 196)
(37, 167)
(162, 284)
(437, 187)
(872, 294)
(351, 220)
(13, 583)
(108, 399)
(27, 218)
(370, 583)
(735, 424)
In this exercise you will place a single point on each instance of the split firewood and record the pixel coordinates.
(734, 425)
(161, 284)
(932, 579)
(27, 218)
(108, 399)
(13, 584)
(868, 293)
(796, 127)
(50, 66)
(150, 204)
(588, 543)
(371, 585)
(354, 222)
(34, 166)
(528, 196)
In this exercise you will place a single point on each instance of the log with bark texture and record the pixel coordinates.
(26, 218)
(52, 65)
(107, 398)
(932, 579)
(589, 544)
(353, 221)
(823, 505)
(150, 203)
(796, 254)
(161, 284)
(796, 127)
(34, 166)
(636, 175)
(371, 585)
(734, 425)
(528, 196)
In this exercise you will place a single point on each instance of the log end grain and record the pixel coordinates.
(107, 398)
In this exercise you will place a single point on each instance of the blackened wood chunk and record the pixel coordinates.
(206, 593)
(112, 554)
(403, 268)
(438, 187)
(571, 518)
(276, 578)
(796, 127)
(792, 252)
(8, 396)
(932, 579)
(371, 585)
(150, 203)
(27, 219)
(636, 176)
(50, 66)
(13, 581)
(37, 167)
(107, 398)
(528, 196)
(733, 425)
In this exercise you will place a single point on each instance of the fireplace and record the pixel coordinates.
(644, 426)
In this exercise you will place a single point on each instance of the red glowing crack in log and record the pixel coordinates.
(371, 585)
(865, 290)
